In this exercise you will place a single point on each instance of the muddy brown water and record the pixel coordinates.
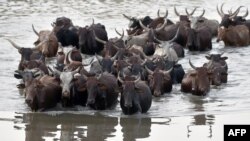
(174, 116)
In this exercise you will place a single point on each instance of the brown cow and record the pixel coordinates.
(197, 81)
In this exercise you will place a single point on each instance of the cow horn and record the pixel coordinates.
(236, 12)
(88, 63)
(187, 12)
(69, 57)
(122, 35)
(202, 14)
(246, 14)
(38, 46)
(191, 64)
(75, 71)
(14, 44)
(176, 12)
(158, 13)
(119, 77)
(167, 72)
(158, 40)
(99, 58)
(221, 9)
(144, 62)
(35, 30)
(98, 39)
(138, 78)
(193, 11)
(162, 26)
(166, 14)
(115, 56)
(127, 17)
(148, 70)
(93, 21)
(143, 26)
(219, 12)
(176, 35)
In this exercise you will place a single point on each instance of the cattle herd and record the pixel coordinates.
(133, 68)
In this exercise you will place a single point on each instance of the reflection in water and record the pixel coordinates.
(68, 127)
(135, 128)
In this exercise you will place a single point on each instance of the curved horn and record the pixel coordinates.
(119, 78)
(14, 44)
(75, 71)
(69, 57)
(143, 26)
(176, 12)
(162, 26)
(191, 64)
(221, 9)
(98, 39)
(99, 58)
(38, 46)
(148, 70)
(138, 78)
(176, 35)
(187, 12)
(219, 12)
(193, 11)
(35, 30)
(202, 14)
(93, 21)
(115, 56)
(158, 13)
(166, 15)
(158, 40)
(246, 14)
(236, 12)
(119, 32)
(127, 17)
(167, 72)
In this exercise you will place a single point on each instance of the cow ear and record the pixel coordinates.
(18, 76)
(224, 58)
(208, 57)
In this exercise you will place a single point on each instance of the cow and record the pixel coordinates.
(160, 81)
(219, 73)
(102, 91)
(107, 62)
(198, 21)
(47, 42)
(196, 81)
(27, 54)
(66, 82)
(87, 43)
(199, 39)
(136, 96)
(217, 57)
(61, 22)
(237, 36)
(68, 37)
(43, 94)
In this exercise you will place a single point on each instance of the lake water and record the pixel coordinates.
(174, 116)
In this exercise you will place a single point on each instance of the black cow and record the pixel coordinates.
(87, 42)
(199, 39)
(136, 96)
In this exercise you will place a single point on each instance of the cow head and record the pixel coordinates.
(200, 80)
(159, 80)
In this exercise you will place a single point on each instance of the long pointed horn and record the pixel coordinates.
(221, 15)
(35, 30)
(191, 64)
(193, 11)
(119, 77)
(176, 12)
(98, 39)
(75, 71)
(158, 13)
(202, 14)
(221, 9)
(158, 40)
(246, 14)
(162, 26)
(93, 21)
(148, 70)
(187, 12)
(166, 14)
(99, 58)
(40, 44)
(236, 12)
(122, 35)
(143, 26)
(138, 78)
(115, 56)
(14, 44)
(167, 72)
(69, 57)
(176, 35)
(127, 17)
